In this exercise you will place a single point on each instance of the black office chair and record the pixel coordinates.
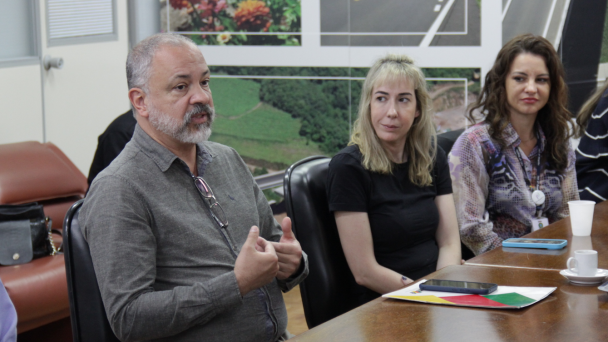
(324, 291)
(446, 141)
(88, 315)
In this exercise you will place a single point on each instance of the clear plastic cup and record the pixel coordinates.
(581, 217)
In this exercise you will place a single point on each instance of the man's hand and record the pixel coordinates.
(257, 263)
(288, 250)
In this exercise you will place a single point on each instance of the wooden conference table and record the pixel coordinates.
(556, 259)
(570, 313)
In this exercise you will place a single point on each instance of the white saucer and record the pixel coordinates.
(574, 278)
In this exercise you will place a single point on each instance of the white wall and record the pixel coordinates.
(20, 104)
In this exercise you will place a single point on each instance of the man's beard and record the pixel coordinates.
(181, 130)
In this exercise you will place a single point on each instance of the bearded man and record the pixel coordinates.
(184, 244)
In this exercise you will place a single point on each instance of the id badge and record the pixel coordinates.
(539, 223)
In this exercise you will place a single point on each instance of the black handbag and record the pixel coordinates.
(25, 233)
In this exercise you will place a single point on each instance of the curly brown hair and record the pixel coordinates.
(553, 118)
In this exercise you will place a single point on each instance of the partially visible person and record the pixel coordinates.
(8, 317)
(111, 142)
(514, 172)
(592, 151)
(390, 189)
(183, 241)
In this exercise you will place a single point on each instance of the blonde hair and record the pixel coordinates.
(582, 119)
(420, 143)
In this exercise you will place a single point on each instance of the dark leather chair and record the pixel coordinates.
(446, 141)
(89, 320)
(324, 291)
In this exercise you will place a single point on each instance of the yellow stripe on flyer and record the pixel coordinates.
(427, 299)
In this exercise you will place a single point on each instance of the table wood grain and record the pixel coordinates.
(553, 259)
(570, 313)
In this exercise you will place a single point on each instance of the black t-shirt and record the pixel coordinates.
(403, 217)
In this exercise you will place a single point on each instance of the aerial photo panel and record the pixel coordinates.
(401, 23)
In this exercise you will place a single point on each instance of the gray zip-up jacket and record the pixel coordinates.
(165, 270)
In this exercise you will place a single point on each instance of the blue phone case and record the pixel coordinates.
(535, 243)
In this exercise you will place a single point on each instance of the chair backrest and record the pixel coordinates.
(446, 141)
(325, 290)
(88, 315)
(34, 172)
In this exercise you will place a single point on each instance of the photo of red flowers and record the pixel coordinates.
(235, 22)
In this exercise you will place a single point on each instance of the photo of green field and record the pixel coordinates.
(264, 136)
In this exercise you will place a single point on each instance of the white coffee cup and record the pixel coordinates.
(581, 217)
(584, 263)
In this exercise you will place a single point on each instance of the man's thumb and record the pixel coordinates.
(286, 227)
(252, 238)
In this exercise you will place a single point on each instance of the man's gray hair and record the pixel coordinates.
(139, 60)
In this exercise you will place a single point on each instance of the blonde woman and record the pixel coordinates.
(390, 189)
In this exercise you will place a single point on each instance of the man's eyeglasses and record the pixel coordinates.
(214, 206)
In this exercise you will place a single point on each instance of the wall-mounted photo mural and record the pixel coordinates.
(235, 22)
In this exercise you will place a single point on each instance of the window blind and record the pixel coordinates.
(73, 18)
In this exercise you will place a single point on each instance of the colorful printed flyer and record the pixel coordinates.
(505, 297)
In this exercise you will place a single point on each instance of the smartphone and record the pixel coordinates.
(535, 243)
(458, 286)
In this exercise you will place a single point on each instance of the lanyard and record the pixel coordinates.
(538, 197)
